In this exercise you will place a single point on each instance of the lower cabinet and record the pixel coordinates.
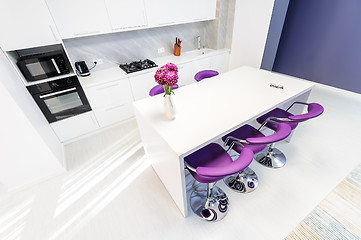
(141, 84)
(75, 126)
(185, 74)
(111, 102)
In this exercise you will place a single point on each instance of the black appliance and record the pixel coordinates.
(137, 65)
(82, 68)
(60, 99)
(43, 65)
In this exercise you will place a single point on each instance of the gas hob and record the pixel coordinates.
(137, 65)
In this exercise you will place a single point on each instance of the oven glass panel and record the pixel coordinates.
(64, 102)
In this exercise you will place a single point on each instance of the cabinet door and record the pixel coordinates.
(201, 64)
(75, 126)
(162, 12)
(80, 17)
(111, 102)
(141, 84)
(126, 13)
(198, 10)
(185, 74)
(220, 62)
(25, 25)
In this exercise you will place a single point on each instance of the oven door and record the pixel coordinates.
(63, 104)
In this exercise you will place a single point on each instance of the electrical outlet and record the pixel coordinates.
(98, 61)
(161, 50)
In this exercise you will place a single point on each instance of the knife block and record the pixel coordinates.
(177, 50)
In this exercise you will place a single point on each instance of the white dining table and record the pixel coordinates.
(206, 111)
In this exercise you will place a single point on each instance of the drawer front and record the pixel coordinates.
(108, 116)
(75, 126)
(110, 94)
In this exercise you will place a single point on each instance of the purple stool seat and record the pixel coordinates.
(246, 181)
(273, 157)
(205, 74)
(158, 89)
(209, 165)
(243, 133)
(213, 163)
(313, 110)
(279, 113)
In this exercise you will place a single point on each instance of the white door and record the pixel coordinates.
(79, 18)
(126, 13)
(26, 24)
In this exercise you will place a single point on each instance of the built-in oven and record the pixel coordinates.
(60, 99)
(43, 65)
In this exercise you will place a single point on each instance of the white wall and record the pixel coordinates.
(251, 23)
(29, 148)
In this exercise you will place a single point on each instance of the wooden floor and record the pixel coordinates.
(115, 194)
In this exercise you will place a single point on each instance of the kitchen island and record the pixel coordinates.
(206, 111)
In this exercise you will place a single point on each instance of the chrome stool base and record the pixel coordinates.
(242, 182)
(214, 208)
(273, 158)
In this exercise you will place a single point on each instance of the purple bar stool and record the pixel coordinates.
(205, 74)
(246, 181)
(209, 165)
(158, 89)
(273, 157)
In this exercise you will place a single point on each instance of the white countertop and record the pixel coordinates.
(208, 109)
(116, 73)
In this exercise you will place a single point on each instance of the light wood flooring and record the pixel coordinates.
(111, 192)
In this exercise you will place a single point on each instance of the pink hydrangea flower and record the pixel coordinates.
(171, 67)
(167, 77)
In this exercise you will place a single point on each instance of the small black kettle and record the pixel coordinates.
(82, 68)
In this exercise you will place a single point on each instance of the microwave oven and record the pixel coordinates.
(44, 65)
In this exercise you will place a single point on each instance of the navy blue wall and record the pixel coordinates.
(321, 41)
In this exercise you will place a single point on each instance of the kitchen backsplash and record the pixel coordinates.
(129, 46)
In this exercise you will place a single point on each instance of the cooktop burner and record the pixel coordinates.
(137, 65)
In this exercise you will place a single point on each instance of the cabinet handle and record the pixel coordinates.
(86, 33)
(166, 23)
(111, 108)
(57, 93)
(53, 32)
(109, 86)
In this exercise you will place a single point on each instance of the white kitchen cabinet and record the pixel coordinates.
(220, 62)
(126, 13)
(79, 18)
(203, 9)
(201, 64)
(141, 84)
(163, 12)
(185, 74)
(26, 24)
(76, 126)
(111, 102)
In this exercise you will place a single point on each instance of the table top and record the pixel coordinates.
(208, 109)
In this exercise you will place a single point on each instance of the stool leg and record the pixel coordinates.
(245, 181)
(272, 157)
(209, 202)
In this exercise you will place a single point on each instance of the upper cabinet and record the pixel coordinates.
(79, 18)
(84, 18)
(162, 12)
(169, 12)
(201, 10)
(126, 14)
(26, 25)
